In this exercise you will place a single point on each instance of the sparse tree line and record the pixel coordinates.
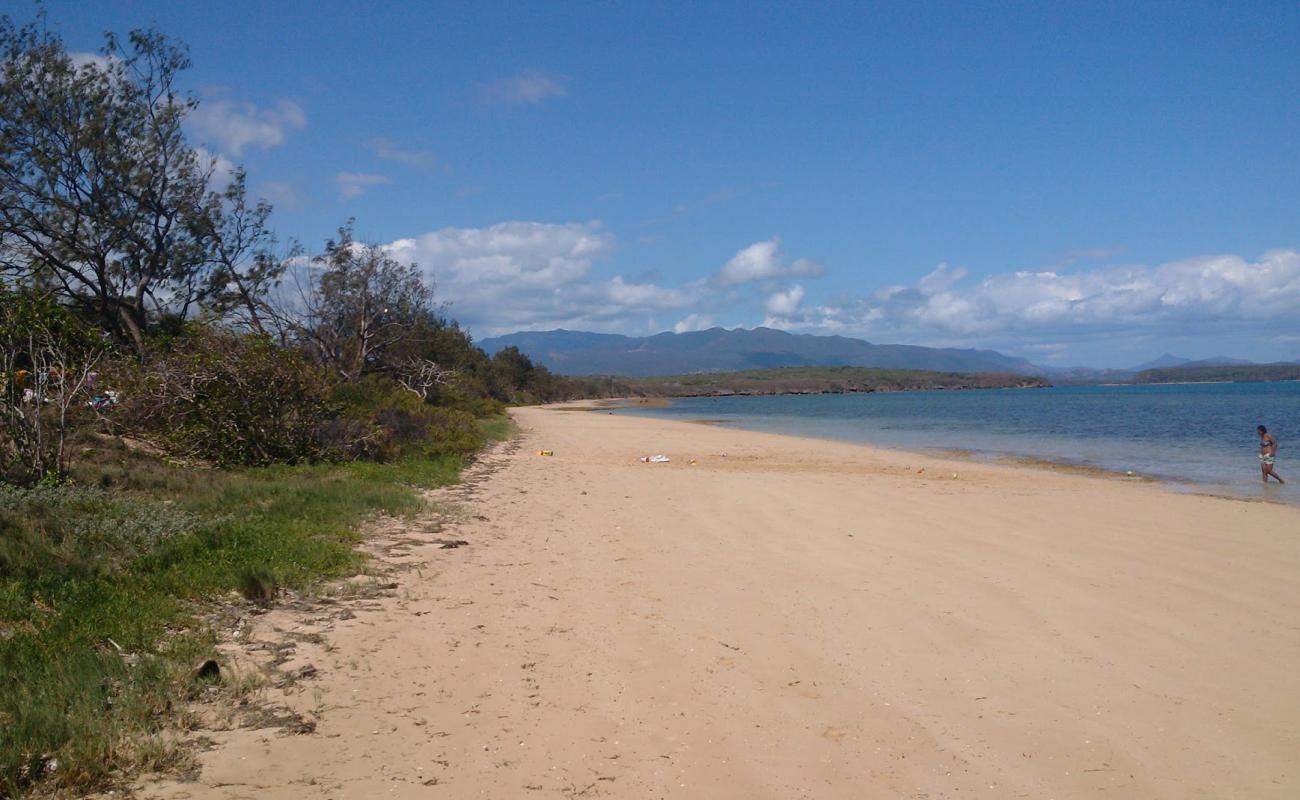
(141, 293)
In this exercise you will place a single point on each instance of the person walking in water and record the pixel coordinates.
(1267, 454)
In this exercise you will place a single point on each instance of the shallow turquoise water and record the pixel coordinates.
(1194, 435)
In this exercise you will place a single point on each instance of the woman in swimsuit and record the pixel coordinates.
(1267, 452)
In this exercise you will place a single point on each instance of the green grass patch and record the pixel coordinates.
(498, 428)
(99, 588)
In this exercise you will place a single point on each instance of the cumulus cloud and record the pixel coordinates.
(763, 261)
(281, 194)
(522, 275)
(784, 303)
(1223, 291)
(390, 150)
(98, 60)
(693, 322)
(355, 184)
(235, 125)
(529, 87)
(223, 169)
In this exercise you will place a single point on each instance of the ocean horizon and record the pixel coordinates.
(1193, 437)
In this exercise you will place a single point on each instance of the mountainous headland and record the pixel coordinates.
(721, 350)
(822, 380)
(679, 359)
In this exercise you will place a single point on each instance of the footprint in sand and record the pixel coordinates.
(834, 734)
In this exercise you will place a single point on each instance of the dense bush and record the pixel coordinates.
(398, 423)
(227, 399)
(47, 380)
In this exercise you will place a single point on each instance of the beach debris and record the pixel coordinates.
(694, 462)
(545, 452)
(1130, 473)
(920, 471)
(450, 544)
(657, 458)
(954, 476)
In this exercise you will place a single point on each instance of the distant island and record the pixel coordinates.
(1224, 373)
(821, 380)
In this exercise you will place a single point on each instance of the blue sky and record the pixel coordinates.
(1090, 183)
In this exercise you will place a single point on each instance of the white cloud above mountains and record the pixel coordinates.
(1221, 291)
(530, 87)
(520, 275)
(764, 261)
(693, 322)
(533, 275)
(784, 303)
(234, 125)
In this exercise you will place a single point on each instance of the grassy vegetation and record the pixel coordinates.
(101, 580)
(822, 380)
(498, 428)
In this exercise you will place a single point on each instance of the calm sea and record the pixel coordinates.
(1196, 436)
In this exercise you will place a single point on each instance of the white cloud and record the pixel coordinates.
(235, 125)
(693, 322)
(531, 275)
(784, 303)
(529, 87)
(281, 195)
(762, 261)
(1184, 296)
(223, 169)
(389, 150)
(98, 60)
(355, 184)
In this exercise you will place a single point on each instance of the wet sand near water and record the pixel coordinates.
(795, 619)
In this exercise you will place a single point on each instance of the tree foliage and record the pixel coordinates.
(99, 191)
(357, 304)
(109, 222)
(243, 265)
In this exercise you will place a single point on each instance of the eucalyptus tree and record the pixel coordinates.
(357, 305)
(101, 196)
(243, 266)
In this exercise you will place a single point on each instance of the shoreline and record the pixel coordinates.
(1173, 484)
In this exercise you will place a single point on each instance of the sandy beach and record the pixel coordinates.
(793, 619)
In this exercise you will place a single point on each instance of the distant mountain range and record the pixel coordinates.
(721, 350)
(1170, 360)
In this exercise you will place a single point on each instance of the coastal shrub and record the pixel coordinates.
(257, 583)
(47, 381)
(63, 532)
(400, 424)
(227, 399)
